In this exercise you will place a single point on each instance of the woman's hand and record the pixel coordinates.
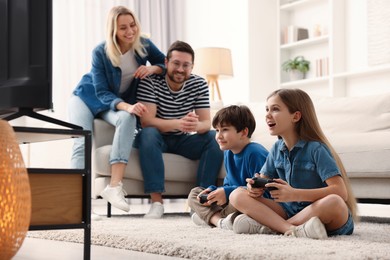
(138, 109)
(144, 71)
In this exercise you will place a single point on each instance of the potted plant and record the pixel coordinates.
(296, 67)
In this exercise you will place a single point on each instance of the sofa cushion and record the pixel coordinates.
(177, 168)
(363, 152)
(354, 114)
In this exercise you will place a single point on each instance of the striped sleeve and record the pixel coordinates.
(202, 100)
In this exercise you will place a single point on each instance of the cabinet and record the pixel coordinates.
(60, 198)
(337, 36)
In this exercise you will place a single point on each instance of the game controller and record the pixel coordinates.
(203, 198)
(261, 182)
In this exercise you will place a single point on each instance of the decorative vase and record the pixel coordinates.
(15, 194)
(296, 75)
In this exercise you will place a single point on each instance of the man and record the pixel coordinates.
(178, 121)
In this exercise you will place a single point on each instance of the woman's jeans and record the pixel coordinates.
(125, 125)
(152, 144)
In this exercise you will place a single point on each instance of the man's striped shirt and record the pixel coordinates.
(174, 104)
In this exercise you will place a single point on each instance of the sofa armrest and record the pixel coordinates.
(103, 133)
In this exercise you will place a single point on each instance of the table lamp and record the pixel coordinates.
(213, 63)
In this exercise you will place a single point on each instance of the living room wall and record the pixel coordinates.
(248, 28)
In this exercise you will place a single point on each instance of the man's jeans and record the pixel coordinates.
(152, 144)
(125, 125)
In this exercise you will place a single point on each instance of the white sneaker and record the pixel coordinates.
(313, 228)
(116, 196)
(198, 221)
(243, 224)
(156, 211)
(227, 223)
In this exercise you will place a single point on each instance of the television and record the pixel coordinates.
(26, 59)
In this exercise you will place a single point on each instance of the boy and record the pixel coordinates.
(234, 127)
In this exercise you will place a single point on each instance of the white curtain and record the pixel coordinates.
(163, 20)
(79, 25)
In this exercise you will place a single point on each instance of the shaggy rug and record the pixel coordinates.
(176, 235)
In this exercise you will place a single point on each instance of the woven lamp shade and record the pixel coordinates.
(15, 194)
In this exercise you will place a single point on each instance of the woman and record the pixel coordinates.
(108, 91)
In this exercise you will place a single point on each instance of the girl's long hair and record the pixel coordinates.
(112, 47)
(308, 129)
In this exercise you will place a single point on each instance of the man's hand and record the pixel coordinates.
(189, 123)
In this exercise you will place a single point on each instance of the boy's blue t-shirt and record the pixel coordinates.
(241, 166)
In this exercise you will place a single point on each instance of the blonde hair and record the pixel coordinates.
(308, 129)
(112, 48)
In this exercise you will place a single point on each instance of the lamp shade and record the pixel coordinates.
(15, 195)
(213, 61)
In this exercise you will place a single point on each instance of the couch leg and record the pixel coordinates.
(108, 210)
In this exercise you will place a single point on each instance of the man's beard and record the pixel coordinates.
(171, 76)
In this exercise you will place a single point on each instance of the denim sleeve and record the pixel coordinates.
(326, 164)
(155, 56)
(269, 168)
(105, 78)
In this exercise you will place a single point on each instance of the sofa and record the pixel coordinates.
(357, 127)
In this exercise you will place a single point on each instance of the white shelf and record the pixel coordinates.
(296, 83)
(336, 19)
(296, 4)
(369, 71)
(305, 43)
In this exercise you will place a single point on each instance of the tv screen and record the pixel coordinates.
(25, 56)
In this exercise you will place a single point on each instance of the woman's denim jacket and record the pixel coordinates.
(99, 89)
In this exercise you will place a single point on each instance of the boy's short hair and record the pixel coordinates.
(240, 117)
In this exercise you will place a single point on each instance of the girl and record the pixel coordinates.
(312, 196)
(109, 90)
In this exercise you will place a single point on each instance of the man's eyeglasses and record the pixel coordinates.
(185, 65)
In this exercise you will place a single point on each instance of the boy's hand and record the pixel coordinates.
(206, 191)
(217, 196)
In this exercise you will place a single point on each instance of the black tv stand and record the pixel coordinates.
(31, 113)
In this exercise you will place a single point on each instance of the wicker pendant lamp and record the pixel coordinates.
(15, 194)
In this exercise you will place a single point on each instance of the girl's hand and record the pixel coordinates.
(283, 193)
(254, 192)
(138, 109)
